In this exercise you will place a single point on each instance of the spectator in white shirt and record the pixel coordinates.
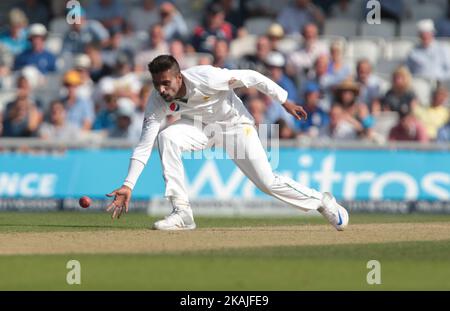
(429, 59)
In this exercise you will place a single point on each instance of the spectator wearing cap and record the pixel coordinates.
(301, 60)
(436, 115)
(37, 55)
(122, 126)
(37, 12)
(317, 119)
(369, 86)
(82, 64)
(144, 15)
(126, 83)
(15, 38)
(275, 63)
(157, 46)
(56, 127)
(83, 33)
(80, 110)
(110, 13)
(215, 27)
(21, 119)
(302, 12)
(408, 128)
(275, 33)
(400, 97)
(429, 59)
(257, 61)
(221, 55)
(172, 22)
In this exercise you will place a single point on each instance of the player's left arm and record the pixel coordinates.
(251, 78)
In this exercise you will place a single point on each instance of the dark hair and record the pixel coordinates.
(163, 63)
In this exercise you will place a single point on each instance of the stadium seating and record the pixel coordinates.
(399, 48)
(258, 25)
(59, 26)
(386, 29)
(423, 90)
(426, 10)
(341, 27)
(242, 46)
(365, 47)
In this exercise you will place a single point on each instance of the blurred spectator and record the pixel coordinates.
(337, 69)
(443, 25)
(80, 110)
(215, 27)
(284, 130)
(317, 119)
(257, 61)
(84, 33)
(172, 22)
(275, 33)
(221, 55)
(106, 117)
(436, 115)
(369, 86)
(138, 118)
(15, 38)
(233, 14)
(257, 108)
(275, 63)
(109, 12)
(400, 97)
(6, 81)
(21, 119)
(56, 127)
(98, 68)
(356, 114)
(82, 64)
(143, 16)
(37, 55)
(408, 129)
(429, 59)
(117, 46)
(36, 11)
(346, 9)
(125, 113)
(339, 128)
(319, 74)
(125, 82)
(25, 88)
(157, 46)
(295, 17)
(443, 135)
(177, 50)
(303, 59)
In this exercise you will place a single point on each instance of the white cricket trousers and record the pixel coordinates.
(250, 157)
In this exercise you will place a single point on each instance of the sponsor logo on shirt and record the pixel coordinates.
(174, 107)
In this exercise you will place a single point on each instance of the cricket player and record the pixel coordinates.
(207, 93)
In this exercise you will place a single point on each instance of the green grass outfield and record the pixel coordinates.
(419, 265)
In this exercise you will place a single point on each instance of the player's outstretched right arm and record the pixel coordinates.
(153, 117)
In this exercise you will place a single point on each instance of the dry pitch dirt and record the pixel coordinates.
(156, 242)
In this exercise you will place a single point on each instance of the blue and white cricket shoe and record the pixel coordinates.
(336, 214)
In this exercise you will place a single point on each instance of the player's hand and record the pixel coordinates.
(121, 200)
(297, 111)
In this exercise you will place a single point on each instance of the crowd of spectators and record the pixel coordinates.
(97, 83)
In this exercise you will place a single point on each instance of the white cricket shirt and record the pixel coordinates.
(211, 97)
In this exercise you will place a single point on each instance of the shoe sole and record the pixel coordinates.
(175, 228)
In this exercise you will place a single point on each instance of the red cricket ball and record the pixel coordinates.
(85, 202)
